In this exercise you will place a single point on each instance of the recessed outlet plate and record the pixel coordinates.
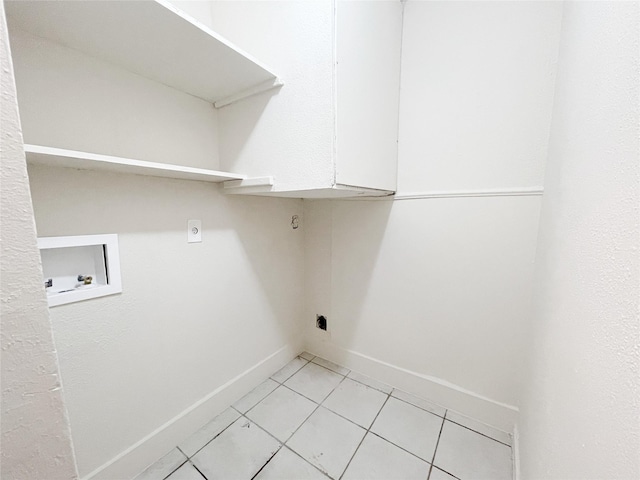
(194, 231)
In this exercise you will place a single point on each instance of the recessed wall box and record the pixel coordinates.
(80, 267)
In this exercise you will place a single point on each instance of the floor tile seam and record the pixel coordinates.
(417, 406)
(435, 450)
(305, 460)
(318, 405)
(259, 401)
(284, 444)
(280, 443)
(375, 388)
(272, 435)
(282, 384)
(340, 366)
(332, 371)
(331, 392)
(351, 421)
(301, 394)
(215, 436)
(479, 433)
(393, 389)
(308, 398)
(307, 362)
(364, 436)
(267, 462)
(443, 470)
(174, 470)
(262, 428)
(197, 469)
(257, 386)
(400, 447)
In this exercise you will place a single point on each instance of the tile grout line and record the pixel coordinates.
(362, 383)
(297, 356)
(389, 395)
(305, 421)
(401, 448)
(479, 433)
(320, 404)
(418, 406)
(241, 415)
(329, 361)
(174, 470)
(422, 408)
(215, 436)
(305, 460)
(364, 436)
(267, 462)
(433, 459)
(283, 444)
(198, 470)
(360, 426)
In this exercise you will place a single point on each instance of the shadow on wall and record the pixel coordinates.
(358, 230)
(274, 250)
(440, 287)
(243, 117)
(250, 255)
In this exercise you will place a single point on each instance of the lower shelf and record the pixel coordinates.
(58, 157)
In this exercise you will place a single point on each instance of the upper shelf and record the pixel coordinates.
(151, 38)
(59, 157)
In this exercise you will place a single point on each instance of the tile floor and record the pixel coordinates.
(314, 419)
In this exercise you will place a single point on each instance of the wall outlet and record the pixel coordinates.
(194, 231)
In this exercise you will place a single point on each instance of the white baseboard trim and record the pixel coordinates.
(147, 450)
(515, 451)
(497, 414)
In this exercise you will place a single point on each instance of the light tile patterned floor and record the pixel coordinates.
(314, 419)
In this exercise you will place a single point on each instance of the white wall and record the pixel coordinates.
(477, 90)
(289, 132)
(368, 37)
(580, 414)
(434, 293)
(36, 441)
(108, 110)
(144, 369)
(335, 118)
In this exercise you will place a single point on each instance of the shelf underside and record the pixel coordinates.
(57, 157)
(336, 191)
(150, 38)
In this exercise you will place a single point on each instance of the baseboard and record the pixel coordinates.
(515, 451)
(497, 414)
(146, 451)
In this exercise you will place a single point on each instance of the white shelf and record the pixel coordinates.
(58, 157)
(266, 187)
(151, 38)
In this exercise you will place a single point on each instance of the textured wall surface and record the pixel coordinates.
(36, 442)
(580, 416)
(191, 317)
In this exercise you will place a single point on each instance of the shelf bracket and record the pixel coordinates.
(256, 89)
